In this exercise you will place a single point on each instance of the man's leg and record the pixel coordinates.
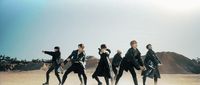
(155, 80)
(56, 73)
(84, 78)
(65, 75)
(133, 75)
(144, 79)
(114, 70)
(97, 79)
(107, 80)
(47, 74)
(80, 78)
(119, 75)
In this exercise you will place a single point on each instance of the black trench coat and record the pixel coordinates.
(103, 68)
(151, 63)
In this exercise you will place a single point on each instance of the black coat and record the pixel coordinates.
(103, 68)
(132, 59)
(116, 60)
(55, 56)
(75, 57)
(151, 62)
(77, 61)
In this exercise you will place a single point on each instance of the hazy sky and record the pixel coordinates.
(29, 26)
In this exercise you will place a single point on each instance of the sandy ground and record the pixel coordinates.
(38, 77)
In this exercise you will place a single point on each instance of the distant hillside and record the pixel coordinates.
(174, 63)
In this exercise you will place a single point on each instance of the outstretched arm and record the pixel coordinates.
(70, 56)
(48, 52)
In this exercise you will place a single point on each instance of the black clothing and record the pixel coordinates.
(77, 66)
(55, 56)
(55, 64)
(151, 63)
(131, 70)
(132, 59)
(117, 59)
(80, 73)
(53, 67)
(116, 62)
(103, 68)
(75, 57)
(77, 60)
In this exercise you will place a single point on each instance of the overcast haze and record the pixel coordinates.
(29, 26)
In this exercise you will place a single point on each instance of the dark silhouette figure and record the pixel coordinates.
(116, 62)
(55, 64)
(103, 68)
(131, 60)
(77, 58)
(151, 63)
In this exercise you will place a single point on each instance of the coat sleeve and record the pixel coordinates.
(70, 56)
(108, 52)
(83, 58)
(137, 61)
(146, 60)
(156, 57)
(153, 58)
(140, 59)
(49, 52)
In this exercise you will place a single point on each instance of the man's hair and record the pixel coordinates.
(133, 42)
(119, 51)
(57, 48)
(148, 46)
(103, 46)
(81, 45)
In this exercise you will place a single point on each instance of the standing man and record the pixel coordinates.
(131, 60)
(55, 64)
(152, 63)
(103, 68)
(116, 62)
(77, 58)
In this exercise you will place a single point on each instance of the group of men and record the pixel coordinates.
(132, 60)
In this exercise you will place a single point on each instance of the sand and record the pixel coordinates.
(37, 77)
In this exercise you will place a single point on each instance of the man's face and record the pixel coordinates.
(55, 50)
(150, 47)
(134, 45)
(80, 49)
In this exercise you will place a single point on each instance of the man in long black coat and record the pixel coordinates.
(77, 58)
(131, 60)
(103, 68)
(55, 64)
(116, 61)
(151, 63)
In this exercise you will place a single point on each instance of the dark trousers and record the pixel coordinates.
(155, 80)
(79, 74)
(53, 67)
(99, 82)
(132, 71)
(114, 68)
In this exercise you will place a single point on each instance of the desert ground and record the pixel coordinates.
(37, 77)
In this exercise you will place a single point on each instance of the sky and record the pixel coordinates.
(29, 26)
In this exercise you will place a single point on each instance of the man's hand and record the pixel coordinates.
(62, 64)
(68, 59)
(159, 64)
(142, 68)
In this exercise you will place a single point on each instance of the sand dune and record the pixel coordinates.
(37, 77)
